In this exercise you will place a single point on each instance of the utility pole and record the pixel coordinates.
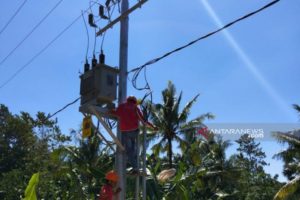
(122, 88)
(123, 57)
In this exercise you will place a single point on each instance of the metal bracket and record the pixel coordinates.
(123, 15)
(94, 111)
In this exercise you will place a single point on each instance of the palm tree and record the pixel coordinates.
(172, 123)
(297, 108)
(288, 189)
(291, 158)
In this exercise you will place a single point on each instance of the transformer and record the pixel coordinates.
(98, 86)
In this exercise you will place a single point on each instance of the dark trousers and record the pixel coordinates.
(129, 140)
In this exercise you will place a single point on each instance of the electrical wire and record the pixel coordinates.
(41, 51)
(95, 41)
(62, 109)
(109, 18)
(13, 16)
(137, 70)
(30, 32)
(103, 38)
(87, 34)
(119, 7)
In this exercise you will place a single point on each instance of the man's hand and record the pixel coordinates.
(118, 190)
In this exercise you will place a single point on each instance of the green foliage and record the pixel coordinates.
(254, 184)
(25, 147)
(291, 159)
(30, 192)
(29, 144)
(289, 190)
(250, 154)
(290, 156)
(172, 123)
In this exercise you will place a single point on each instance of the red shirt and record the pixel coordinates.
(106, 193)
(129, 116)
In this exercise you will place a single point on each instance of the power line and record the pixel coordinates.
(13, 16)
(137, 70)
(87, 34)
(41, 51)
(62, 109)
(30, 32)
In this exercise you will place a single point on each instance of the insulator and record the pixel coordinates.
(94, 61)
(102, 58)
(101, 12)
(91, 20)
(86, 66)
(107, 3)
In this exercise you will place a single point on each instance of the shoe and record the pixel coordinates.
(135, 172)
(142, 173)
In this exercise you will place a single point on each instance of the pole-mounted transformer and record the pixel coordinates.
(98, 85)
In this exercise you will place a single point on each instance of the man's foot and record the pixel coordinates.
(133, 172)
(136, 172)
(142, 173)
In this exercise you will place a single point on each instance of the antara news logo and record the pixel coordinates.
(252, 132)
(260, 131)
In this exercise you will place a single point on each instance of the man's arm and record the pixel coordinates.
(142, 119)
(115, 112)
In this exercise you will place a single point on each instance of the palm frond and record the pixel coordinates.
(186, 110)
(296, 107)
(288, 189)
(197, 122)
(158, 147)
(182, 143)
(292, 137)
(157, 116)
(177, 104)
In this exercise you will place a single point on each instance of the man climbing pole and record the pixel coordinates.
(129, 117)
(109, 190)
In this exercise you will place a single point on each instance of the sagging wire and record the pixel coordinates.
(88, 37)
(110, 10)
(102, 42)
(149, 94)
(14, 75)
(95, 42)
(110, 13)
(30, 32)
(138, 70)
(94, 25)
(62, 109)
(119, 7)
(12, 17)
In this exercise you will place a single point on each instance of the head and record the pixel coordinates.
(131, 99)
(112, 177)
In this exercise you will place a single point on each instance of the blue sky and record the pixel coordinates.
(246, 74)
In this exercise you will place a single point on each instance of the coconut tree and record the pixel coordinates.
(297, 108)
(172, 123)
(291, 159)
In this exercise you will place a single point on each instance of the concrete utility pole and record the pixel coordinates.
(120, 161)
(122, 92)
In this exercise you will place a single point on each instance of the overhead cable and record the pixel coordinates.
(62, 109)
(30, 32)
(137, 70)
(13, 16)
(41, 51)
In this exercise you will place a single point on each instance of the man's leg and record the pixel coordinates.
(124, 139)
(132, 149)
